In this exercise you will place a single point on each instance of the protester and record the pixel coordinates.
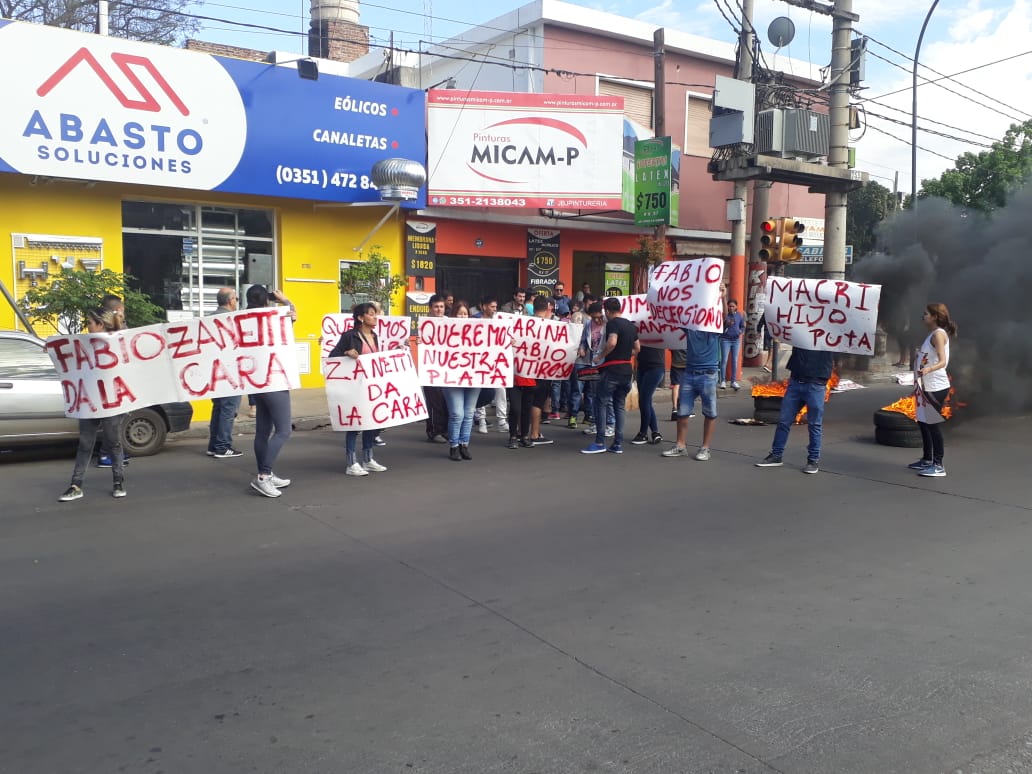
(593, 340)
(699, 380)
(223, 410)
(542, 307)
(98, 321)
(488, 309)
(562, 301)
(584, 295)
(768, 347)
(651, 366)
(449, 302)
(615, 376)
(272, 417)
(461, 403)
(360, 340)
(437, 411)
(677, 361)
(115, 305)
(518, 304)
(810, 371)
(730, 345)
(931, 386)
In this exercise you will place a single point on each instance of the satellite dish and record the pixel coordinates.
(781, 31)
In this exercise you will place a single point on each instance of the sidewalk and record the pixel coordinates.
(310, 412)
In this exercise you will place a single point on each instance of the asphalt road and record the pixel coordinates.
(530, 611)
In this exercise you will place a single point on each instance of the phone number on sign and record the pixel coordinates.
(322, 178)
(478, 201)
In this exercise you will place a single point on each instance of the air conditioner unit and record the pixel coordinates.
(792, 133)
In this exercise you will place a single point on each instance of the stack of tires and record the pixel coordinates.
(891, 428)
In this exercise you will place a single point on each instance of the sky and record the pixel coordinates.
(991, 39)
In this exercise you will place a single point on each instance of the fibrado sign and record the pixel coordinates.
(106, 374)
(686, 294)
(651, 333)
(392, 332)
(543, 349)
(465, 352)
(373, 391)
(823, 314)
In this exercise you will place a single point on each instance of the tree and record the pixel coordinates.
(985, 181)
(866, 208)
(157, 21)
(63, 302)
(371, 280)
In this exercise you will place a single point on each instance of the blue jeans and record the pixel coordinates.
(220, 428)
(801, 394)
(611, 392)
(648, 381)
(271, 427)
(351, 440)
(576, 394)
(461, 403)
(110, 430)
(729, 351)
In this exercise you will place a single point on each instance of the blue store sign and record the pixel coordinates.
(98, 108)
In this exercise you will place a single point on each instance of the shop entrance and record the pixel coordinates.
(609, 273)
(471, 278)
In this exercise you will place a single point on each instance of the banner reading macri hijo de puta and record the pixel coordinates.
(245, 352)
(823, 314)
(373, 391)
(686, 294)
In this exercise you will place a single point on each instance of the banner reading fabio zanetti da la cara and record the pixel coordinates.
(509, 149)
(542, 259)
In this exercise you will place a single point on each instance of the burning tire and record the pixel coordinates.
(769, 416)
(909, 438)
(894, 420)
(767, 402)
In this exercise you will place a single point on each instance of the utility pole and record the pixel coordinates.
(752, 351)
(838, 151)
(736, 282)
(659, 96)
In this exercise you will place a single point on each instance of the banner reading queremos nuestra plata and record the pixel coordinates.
(245, 352)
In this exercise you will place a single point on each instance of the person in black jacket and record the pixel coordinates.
(360, 340)
(810, 371)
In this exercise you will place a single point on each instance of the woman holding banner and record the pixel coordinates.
(931, 386)
(360, 340)
(462, 404)
(272, 410)
(99, 320)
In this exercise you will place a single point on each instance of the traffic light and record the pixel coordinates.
(791, 241)
(769, 240)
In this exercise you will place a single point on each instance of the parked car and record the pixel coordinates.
(32, 404)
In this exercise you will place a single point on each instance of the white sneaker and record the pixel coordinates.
(503, 427)
(264, 486)
(279, 483)
(610, 431)
(373, 466)
(702, 454)
(356, 470)
(589, 430)
(482, 426)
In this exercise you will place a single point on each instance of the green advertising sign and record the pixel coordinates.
(656, 196)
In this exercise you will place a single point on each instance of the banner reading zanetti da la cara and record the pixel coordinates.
(502, 149)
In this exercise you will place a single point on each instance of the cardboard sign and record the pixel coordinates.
(106, 374)
(373, 391)
(465, 352)
(543, 349)
(823, 314)
(651, 333)
(686, 294)
(392, 332)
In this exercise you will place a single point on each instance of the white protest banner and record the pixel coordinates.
(651, 333)
(543, 349)
(249, 351)
(465, 352)
(392, 331)
(373, 391)
(686, 294)
(823, 314)
(106, 374)
(209, 357)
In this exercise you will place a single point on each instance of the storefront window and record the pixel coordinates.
(181, 254)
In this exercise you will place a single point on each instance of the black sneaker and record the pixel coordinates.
(770, 461)
(526, 443)
(656, 438)
(640, 439)
(514, 443)
(71, 493)
(541, 441)
(673, 415)
(118, 490)
(227, 454)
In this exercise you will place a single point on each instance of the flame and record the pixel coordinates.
(778, 389)
(908, 405)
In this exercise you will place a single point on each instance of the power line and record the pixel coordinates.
(933, 121)
(907, 142)
(929, 131)
(949, 77)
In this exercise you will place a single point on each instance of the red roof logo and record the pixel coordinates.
(124, 62)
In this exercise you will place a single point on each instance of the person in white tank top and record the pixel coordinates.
(931, 386)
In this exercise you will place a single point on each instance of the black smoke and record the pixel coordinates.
(980, 266)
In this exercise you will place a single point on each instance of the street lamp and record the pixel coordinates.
(913, 112)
